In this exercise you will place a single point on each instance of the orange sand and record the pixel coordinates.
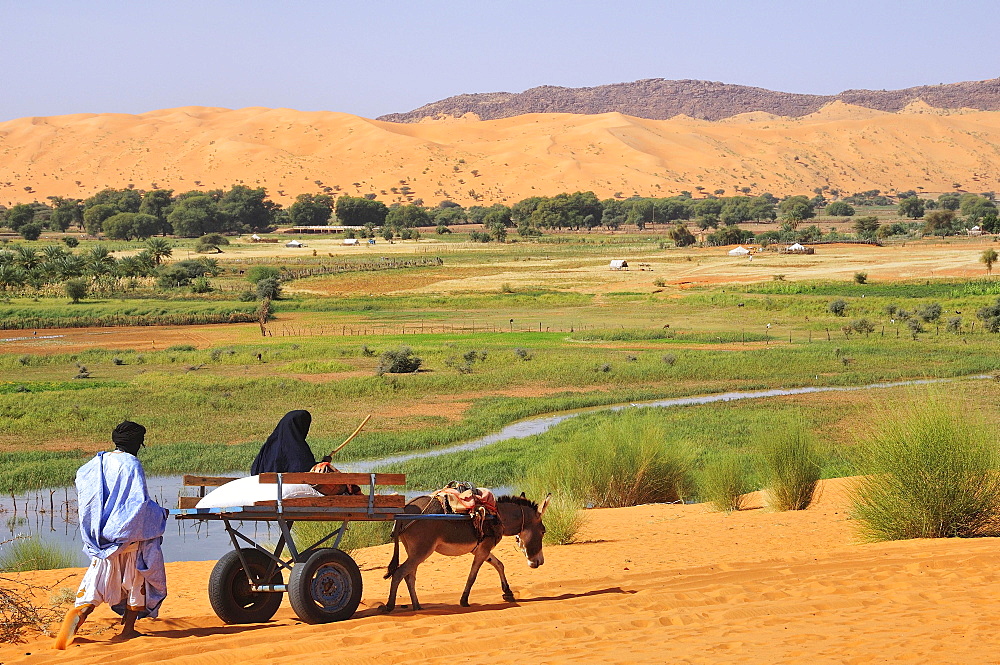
(844, 147)
(654, 584)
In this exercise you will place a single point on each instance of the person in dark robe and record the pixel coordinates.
(286, 450)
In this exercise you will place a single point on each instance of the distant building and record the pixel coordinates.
(324, 229)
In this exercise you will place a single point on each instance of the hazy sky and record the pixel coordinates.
(375, 57)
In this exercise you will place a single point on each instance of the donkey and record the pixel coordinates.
(519, 517)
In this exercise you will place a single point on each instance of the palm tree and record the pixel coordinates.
(26, 257)
(148, 261)
(132, 266)
(10, 275)
(989, 257)
(53, 252)
(68, 266)
(211, 266)
(99, 260)
(159, 248)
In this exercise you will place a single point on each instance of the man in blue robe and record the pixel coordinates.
(122, 528)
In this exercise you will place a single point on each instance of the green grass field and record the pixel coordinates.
(208, 406)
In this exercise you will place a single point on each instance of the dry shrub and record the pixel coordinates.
(19, 610)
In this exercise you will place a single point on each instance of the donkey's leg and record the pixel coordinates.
(408, 568)
(390, 603)
(411, 586)
(480, 554)
(508, 595)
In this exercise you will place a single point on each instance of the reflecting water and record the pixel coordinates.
(51, 514)
(539, 424)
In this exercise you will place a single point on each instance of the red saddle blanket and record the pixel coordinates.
(477, 502)
(465, 499)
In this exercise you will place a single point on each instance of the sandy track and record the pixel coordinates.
(651, 584)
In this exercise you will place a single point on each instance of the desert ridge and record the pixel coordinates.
(841, 147)
(654, 583)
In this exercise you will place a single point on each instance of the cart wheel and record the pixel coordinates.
(327, 587)
(229, 589)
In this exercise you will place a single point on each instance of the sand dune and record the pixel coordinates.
(647, 584)
(844, 147)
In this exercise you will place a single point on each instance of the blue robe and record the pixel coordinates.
(116, 509)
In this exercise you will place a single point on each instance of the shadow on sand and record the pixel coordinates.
(445, 610)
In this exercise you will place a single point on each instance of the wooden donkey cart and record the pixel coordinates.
(324, 582)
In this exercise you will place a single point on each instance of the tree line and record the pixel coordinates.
(128, 214)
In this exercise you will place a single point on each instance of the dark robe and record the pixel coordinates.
(286, 449)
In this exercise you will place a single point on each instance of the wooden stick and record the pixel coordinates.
(348, 440)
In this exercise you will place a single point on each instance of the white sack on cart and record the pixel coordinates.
(246, 491)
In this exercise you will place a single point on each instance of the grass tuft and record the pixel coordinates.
(563, 520)
(359, 534)
(626, 461)
(789, 461)
(725, 481)
(25, 554)
(930, 473)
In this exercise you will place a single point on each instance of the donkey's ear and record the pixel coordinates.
(545, 504)
(522, 495)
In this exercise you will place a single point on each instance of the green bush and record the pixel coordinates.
(30, 554)
(201, 285)
(622, 462)
(269, 288)
(789, 466)
(76, 289)
(257, 273)
(837, 307)
(930, 312)
(31, 231)
(400, 361)
(930, 472)
(725, 481)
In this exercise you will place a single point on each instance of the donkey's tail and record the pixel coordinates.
(394, 564)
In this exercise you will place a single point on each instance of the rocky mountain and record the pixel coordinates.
(659, 99)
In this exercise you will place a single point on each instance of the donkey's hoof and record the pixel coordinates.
(385, 609)
(509, 597)
(464, 602)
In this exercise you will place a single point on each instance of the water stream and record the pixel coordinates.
(50, 514)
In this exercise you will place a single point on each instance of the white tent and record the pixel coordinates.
(618, 264)
(255, 237)
(294, 243)
(350, 241)
(739, 251)
(796, 248)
